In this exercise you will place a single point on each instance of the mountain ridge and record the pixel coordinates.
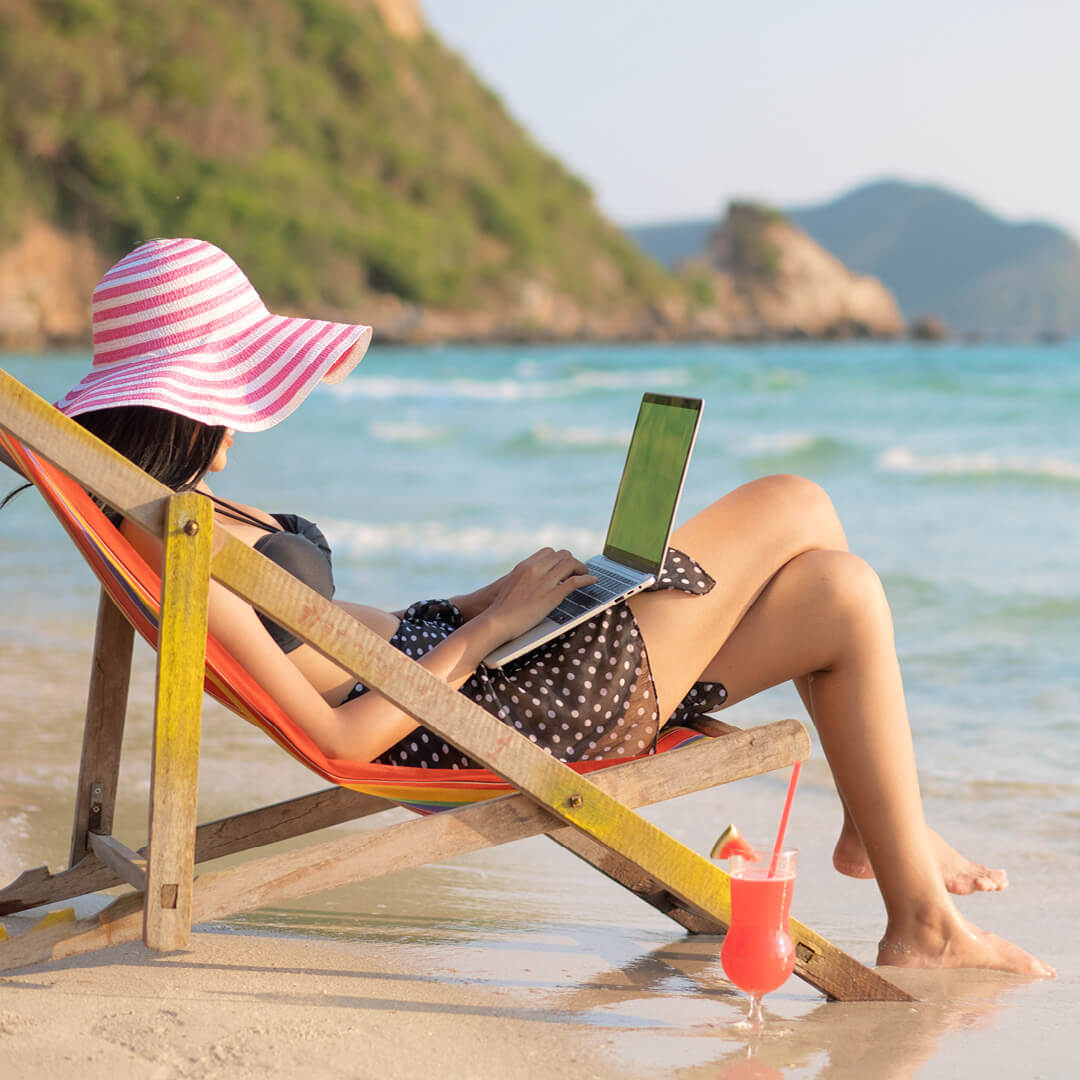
(939, 252)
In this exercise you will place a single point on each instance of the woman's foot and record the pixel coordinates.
(957, 944)
(960, 874)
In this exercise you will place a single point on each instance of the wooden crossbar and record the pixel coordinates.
(213, 840)
(128, 865)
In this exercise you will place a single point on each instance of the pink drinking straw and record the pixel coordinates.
(784, 817)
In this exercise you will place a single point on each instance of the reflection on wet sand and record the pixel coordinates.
(665, 1004)
(819, 1039)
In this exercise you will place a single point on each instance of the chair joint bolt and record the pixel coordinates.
(575, 801)
(191, 527)
(97, 800)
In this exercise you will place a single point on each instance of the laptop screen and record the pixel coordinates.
(652, 481)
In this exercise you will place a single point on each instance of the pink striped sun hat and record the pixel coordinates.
(178, 326)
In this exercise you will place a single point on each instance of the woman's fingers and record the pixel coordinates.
(575, 581)
(536, 586)
(562, 563)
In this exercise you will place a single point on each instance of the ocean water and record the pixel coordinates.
(955, 468)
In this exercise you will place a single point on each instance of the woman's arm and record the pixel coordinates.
(357, 730)
(473, 603)
(362, 729)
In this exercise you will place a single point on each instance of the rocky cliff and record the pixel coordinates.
(770, 279)
(46, 278)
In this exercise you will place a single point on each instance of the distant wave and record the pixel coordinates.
(774, 442)
(426, 540)
(387, 387)
(795, 448)
(390, 387)
(550, 437)
(902, 460)
(629, 380)
(408, 431)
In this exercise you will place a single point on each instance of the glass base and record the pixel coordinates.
(754, 1022)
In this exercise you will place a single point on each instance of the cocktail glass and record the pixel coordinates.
(758, 954)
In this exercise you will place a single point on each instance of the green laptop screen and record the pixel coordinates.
(651, 481)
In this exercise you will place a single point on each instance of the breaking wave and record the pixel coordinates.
(987, 464)
(427, 541)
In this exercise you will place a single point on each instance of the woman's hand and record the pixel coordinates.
(521, 599)
(478, 601)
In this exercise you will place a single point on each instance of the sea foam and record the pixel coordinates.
(393, 387)
(425, 541)
(578, 438)
(901, 459)
(408, 431)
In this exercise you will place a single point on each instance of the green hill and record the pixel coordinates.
(937, 251)
(331, 155)
(943, 253)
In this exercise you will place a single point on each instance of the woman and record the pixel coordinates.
(760, 588)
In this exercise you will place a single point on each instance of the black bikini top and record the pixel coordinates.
(298, 546)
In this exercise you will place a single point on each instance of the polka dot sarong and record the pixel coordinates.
(588, 694)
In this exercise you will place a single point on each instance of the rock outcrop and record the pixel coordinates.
(46, 278)
(403, 18)
(770, 279)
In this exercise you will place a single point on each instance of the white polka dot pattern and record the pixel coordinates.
(588, 694)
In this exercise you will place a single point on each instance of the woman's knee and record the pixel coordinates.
(847, 587)
(806, 505)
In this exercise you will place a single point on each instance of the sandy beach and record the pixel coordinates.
(520, 962)
(550, 1005)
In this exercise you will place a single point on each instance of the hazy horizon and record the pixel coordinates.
(858, 184)
(668, 113)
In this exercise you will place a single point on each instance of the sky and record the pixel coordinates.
(670, 108)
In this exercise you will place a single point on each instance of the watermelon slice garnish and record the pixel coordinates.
(731, 842)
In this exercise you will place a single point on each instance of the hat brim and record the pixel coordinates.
(249, 382)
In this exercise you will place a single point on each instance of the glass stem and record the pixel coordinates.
(755, 1018)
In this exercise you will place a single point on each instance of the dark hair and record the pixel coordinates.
(173, 449)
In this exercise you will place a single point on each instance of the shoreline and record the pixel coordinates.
(554, 1002)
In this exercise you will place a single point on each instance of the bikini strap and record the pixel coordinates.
(235, 513)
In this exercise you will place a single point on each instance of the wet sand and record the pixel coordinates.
(552, 1002)
(521, 962)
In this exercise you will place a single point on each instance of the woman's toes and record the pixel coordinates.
(973, 878)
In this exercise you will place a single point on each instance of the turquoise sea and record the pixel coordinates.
(956, 471)
(955, 468)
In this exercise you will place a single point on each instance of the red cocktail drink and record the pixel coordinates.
(758, 954)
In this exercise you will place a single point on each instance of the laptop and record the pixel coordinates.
(641, 522)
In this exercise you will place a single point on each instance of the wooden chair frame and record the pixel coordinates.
(593, 815)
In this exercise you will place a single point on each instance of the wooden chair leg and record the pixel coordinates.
(174, 780)
(103, 733)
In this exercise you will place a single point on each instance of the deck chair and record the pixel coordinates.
(523, 791)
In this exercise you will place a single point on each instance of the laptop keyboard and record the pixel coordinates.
(607, 585)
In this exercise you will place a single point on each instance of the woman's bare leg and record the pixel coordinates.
(799, 609)
(961, 875)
